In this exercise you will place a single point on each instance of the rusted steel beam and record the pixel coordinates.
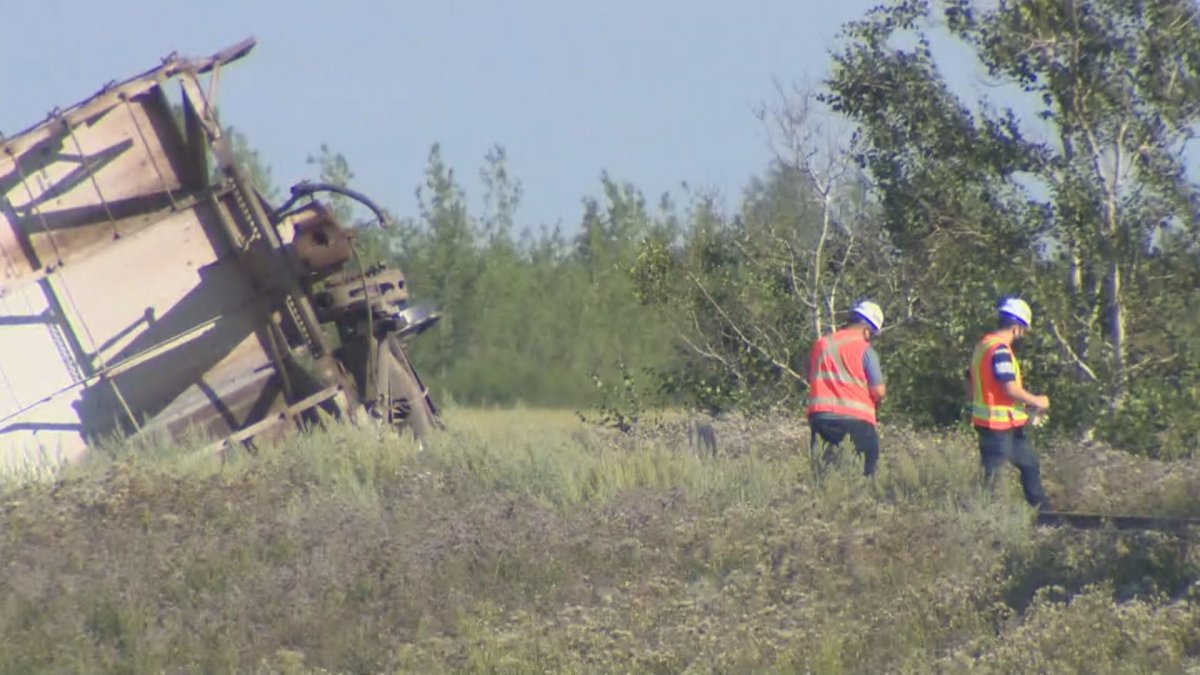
(226, 55)
(288, 414)
(277, 272)
(111, 95)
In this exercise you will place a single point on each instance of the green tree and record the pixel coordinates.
(442, 261)
(244, 153)
(334, 169)
(978, 204)
(756, 290)
(258, 169)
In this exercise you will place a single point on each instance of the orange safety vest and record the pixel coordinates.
(837, 379)
(993, 408)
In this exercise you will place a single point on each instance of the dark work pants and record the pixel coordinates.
(833, 429)
(1011, 445)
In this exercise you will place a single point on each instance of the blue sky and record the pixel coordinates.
(653, 92)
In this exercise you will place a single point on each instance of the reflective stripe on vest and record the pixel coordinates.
(992, 407)
(842, 374)
(838, 387)
(844, 402)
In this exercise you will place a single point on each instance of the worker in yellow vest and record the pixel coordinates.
(1001, 406)
(845, 383)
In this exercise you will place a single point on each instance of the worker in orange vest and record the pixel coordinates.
(845, 384)
(1001, 407)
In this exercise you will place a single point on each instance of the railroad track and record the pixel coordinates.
(1097, 521)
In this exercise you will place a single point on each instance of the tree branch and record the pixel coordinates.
(706, 353)
(1156, 361)
(762, 351)
(1066, 346)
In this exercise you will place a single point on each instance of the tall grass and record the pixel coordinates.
(523, 541)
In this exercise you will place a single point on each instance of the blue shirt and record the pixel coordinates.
(871, 366)
(1002, 365)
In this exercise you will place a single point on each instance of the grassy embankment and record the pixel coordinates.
(523, 542)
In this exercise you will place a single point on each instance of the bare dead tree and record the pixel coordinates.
(808, 144)
(811, 253)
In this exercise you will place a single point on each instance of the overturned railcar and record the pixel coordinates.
(148, 287)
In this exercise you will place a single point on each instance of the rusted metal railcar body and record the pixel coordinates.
(148, 287)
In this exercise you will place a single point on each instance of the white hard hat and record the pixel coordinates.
(871, 313)
(1016, 308)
